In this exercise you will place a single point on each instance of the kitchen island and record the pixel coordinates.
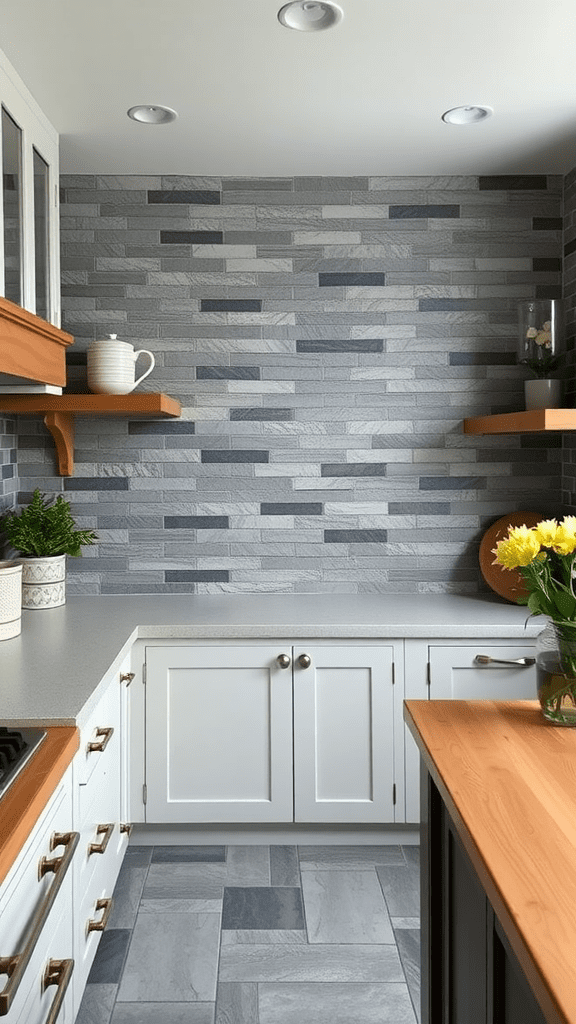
(498, 838)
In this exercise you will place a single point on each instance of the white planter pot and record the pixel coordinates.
(10, 599)
(542, 393)
(43, 582)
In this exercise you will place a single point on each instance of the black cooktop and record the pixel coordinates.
(16, 747)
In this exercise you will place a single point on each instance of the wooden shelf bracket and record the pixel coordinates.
(62, 427)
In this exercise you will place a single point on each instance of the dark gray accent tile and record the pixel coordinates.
(139, 854)
(512, 182)
(231, 305)
(196, 522)
(261, 414)
(408, 212)
(197, 576)
(419, 508)
(110, 957)
(228, 372)
(547, 264)
(291, 508)
(332, 280)
(354, 469)
(482, 358)
(191, 238)
(258, 907)
(238, 455)
(163, 427)
(340, 345)
(355, 536)
(200, 197)
(547, 223)
(452, 483)
(96, 483)
(284, 866)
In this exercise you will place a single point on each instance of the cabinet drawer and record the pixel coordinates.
(53, 957)
(93, 910)
(100, 737)
(25, 898)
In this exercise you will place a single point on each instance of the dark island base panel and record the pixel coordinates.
(469, 973)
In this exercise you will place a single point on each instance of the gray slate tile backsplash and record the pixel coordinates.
(326, 337)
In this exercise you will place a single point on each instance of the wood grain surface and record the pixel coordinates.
(508, 780)
(24, 801)
(31, 347)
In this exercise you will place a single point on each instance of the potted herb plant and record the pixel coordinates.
(44, 532)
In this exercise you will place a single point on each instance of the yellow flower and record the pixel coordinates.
(565, 539)
(546, 532)
(520, 547)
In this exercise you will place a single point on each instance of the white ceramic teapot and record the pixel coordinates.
(112, 366)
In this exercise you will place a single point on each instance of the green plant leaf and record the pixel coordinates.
(43, 529)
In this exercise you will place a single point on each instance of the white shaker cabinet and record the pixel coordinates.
(444, 670)
(260, 732)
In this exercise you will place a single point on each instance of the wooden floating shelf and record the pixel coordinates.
(59, 412)
(536, 421)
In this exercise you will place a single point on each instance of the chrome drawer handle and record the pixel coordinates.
(15, 966)
(99, 926)
(101, 744)
(58, 972)
(106, 831)
(485, 659)
(283, 661)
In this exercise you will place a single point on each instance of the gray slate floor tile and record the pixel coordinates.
(296, 962)
(412, 854)
(186, 854)
(163, 1013)
(334, 1004)
(248, 865)
(237, 1003)
(409, 949)
(284, 868)
(169, 906)
(174, 957)
(262, 907)
(110, 957)
(139, 854)
(341, 858)
(401, 888)
(97, 1004)
(127, 893)
(345, 906)
(254, 936)
(184, 881)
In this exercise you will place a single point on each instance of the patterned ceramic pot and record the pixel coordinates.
(10, 599)
(43, 582)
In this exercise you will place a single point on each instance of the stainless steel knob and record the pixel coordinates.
(283, 660)
(304, 660)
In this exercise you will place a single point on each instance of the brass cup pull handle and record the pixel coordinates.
(105, 831)
(15, 966)
(283, 661)
(126, 826)
(59, 973)
(304, 660)
(99, 926)
(101, 744)
(127, 677)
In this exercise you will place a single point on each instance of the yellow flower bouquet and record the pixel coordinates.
(545, 557)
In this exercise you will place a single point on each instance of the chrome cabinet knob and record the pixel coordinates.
(283, 660)
(304, 660)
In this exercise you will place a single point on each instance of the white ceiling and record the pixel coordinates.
(256, 99)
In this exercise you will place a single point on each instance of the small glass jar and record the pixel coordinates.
(556, 673)
(540, 335)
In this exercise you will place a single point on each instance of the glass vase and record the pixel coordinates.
(540, 335)
(556, 673)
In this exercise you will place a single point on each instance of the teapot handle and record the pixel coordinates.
(144, 352)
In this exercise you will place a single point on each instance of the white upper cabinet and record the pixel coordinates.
(29, 235)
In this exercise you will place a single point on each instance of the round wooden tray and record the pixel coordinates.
(507, 583)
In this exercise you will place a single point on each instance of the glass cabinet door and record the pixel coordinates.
(12, 207)
(41, 236)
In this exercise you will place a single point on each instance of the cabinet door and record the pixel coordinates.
(218, 734)
(343, 734)
(454, 673)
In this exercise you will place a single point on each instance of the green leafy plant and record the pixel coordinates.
(44, 529)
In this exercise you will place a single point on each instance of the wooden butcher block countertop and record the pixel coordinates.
(508, 780)
(26, 798)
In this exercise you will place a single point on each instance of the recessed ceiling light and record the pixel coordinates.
(466, 115)
(310, 15)
(152, 114)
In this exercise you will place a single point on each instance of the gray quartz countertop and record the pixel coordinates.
(51, 671)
